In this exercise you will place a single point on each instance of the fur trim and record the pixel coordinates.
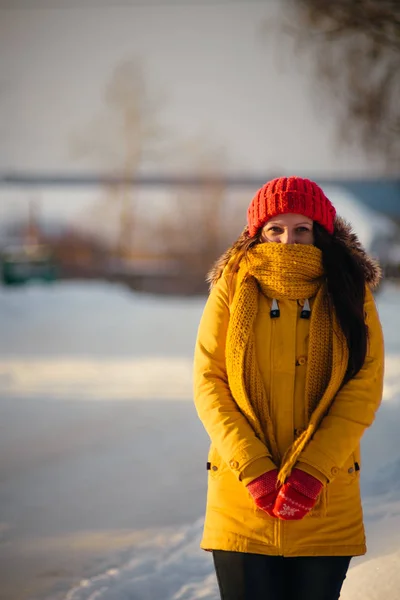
(343, 233)
(216, 270)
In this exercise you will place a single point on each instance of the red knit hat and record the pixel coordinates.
(290, 195)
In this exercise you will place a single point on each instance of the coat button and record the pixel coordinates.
(214, 468)
(351, 470)
(301, 360)
(334, 471)
(300, 302)
(233, 464)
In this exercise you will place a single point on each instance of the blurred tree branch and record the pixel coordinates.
(356, 46)
(123, 137)
(127, 133)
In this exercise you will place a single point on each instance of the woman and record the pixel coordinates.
(288, 374)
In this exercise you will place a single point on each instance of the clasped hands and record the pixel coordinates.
(292, 501)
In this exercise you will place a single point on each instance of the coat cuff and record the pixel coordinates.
(255, 469)
(321, 463)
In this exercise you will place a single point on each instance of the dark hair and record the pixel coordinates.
(242, 246)
(346, 287)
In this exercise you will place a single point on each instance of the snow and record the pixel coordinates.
(101, 349)
(124, 349)
(103, 379)
(93, 319)
(171, 562)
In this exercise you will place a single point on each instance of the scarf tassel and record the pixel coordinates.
(292, 454)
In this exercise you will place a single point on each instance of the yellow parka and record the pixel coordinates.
(237, 456)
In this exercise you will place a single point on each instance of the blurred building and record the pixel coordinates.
(166, 240)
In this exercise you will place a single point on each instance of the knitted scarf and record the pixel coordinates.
(295, 272)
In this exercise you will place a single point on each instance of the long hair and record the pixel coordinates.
(239, 250)
(346, 282)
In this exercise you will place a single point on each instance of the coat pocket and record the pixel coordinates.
(350, 471)
(215, 465)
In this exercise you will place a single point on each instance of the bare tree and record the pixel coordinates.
(356, 48)
(198, 226)
(122, 139)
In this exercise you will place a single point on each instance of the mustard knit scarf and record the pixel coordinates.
(294, 272)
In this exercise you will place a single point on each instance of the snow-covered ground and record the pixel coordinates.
(102, 455)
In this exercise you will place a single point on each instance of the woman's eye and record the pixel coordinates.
(302, 229)
(275, 229)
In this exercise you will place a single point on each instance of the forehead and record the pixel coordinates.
(290, 219)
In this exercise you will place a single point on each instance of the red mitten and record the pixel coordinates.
(264, 491)
(297, 496)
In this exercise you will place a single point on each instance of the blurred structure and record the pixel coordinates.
(26, 263)
(179, 229)
(27, 258)
(378, 233)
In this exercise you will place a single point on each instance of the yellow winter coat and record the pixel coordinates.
(237, 456)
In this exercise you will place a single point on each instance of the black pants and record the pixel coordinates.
(257, 577)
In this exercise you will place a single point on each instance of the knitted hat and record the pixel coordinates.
(290, 195)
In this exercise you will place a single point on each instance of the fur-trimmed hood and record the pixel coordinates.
(342, 232)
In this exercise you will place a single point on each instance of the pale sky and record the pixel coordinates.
(226, 71)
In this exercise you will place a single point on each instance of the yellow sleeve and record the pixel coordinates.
(228, 429)
(354, 407)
